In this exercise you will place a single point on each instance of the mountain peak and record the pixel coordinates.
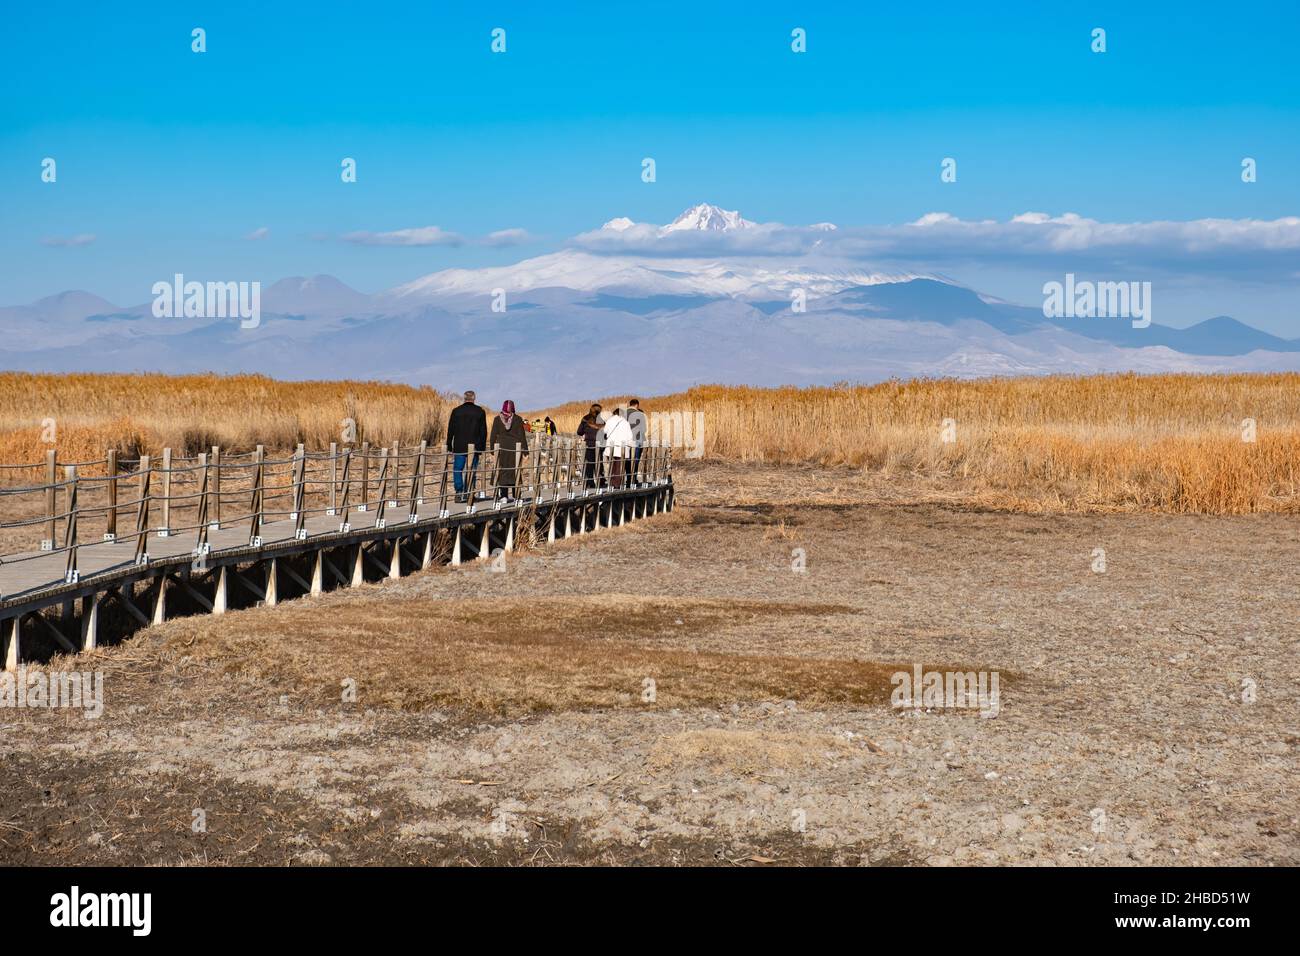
(708, 218)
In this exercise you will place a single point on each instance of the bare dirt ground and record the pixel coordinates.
(1148, 712)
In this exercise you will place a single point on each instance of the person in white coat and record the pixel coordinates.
(619, 444)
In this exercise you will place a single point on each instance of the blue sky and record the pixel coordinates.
(171, 158)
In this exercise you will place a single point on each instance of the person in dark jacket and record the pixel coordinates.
(588, 429)
(509, 433)
(467, 426)
(636, 418)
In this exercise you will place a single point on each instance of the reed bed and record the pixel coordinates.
(1213, 444)
(86, 414)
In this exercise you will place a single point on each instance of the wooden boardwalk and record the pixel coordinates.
(55, 598)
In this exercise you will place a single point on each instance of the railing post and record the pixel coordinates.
(397, 474)
(344, 525)
(300, 492)
(496, 473)
(215, 462)
(334, 478)
(471, 481)
(201, 548)
(259, 473)
(165, 530)
(555, 471)
(442, 483)
(51, 498)
(537, 467)
(142, 515)
(364, 503)
(70, 574)
(110, 465)
(383, 482)
(417, 481)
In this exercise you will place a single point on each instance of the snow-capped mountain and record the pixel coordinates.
(645, 275)
(583, 322)
(708, 218)
(651, 275)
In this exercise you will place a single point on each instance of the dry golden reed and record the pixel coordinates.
(1163, 442)
(91, 413)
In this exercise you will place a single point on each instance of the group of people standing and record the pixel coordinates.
(621, 434)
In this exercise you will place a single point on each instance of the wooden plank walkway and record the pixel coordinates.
(176, 543)
(24, 576)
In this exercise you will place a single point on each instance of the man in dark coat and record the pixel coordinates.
(467, 426)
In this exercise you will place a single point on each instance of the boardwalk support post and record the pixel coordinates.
(219, 598)
(160, 602)
(90, 622)
(11, 630)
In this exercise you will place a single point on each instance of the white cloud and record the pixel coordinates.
(256, 234)
(508, 237)
(1245, 248)
(82, 239)
(422, 236)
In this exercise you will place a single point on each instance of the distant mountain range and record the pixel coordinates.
(580, 323)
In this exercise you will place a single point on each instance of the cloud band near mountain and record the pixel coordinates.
(1246, 248)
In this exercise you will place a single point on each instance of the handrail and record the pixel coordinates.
(334, 481)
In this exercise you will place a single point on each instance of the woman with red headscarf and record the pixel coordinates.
(508, 432)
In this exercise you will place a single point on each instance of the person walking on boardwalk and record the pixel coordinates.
(508, 432)
(588, 429)
(636, 419)
(618, 446)
(467, 426)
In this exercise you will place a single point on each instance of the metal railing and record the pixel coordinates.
(112, 502)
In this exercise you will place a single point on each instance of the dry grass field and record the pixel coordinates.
(138, 414)
(1209, 444)
(464, 716)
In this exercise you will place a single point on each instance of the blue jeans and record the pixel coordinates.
(458, 473)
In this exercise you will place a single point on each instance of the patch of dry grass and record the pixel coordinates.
(747, 752)
(511, 656)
